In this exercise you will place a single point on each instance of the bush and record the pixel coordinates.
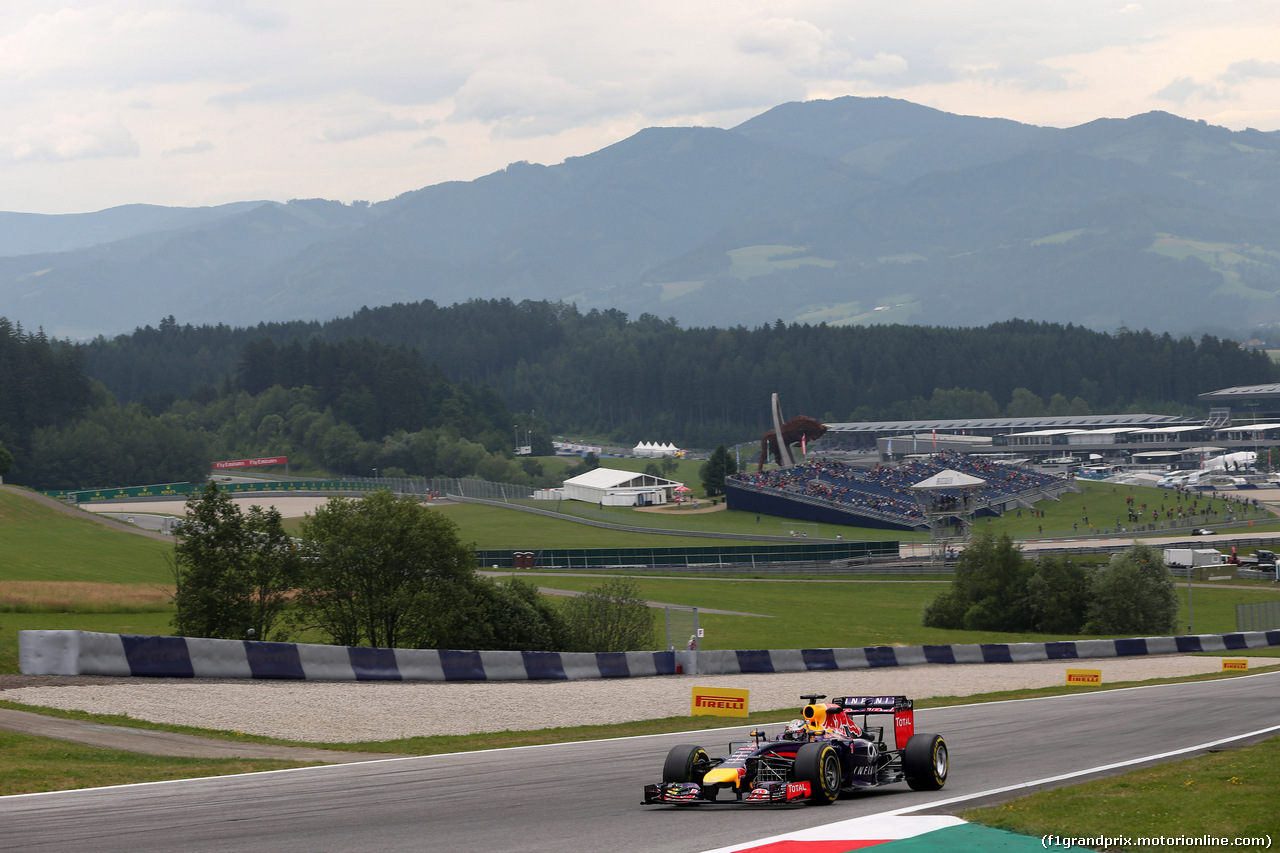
(989, 592)
(945, 611)
(1058, 594)
(1134, 594)
(520, 618)
(610, 617)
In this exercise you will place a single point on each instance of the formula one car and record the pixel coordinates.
(813, 759)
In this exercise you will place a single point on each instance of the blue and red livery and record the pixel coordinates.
(813, 760)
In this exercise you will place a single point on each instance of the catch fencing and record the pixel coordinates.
(1258, 616)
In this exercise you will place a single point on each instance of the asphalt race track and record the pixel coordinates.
(586, 796)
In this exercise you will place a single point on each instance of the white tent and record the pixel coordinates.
(949, 479)
(611, 487)
(650, 450)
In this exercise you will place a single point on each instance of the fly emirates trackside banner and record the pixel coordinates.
(251, 463)
(719, 702)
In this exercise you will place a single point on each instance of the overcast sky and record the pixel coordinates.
(196, 102)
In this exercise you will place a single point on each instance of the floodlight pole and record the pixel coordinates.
(1191, 610)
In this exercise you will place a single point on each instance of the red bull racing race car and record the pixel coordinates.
(831, 750)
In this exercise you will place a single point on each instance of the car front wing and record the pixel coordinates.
(690, 793)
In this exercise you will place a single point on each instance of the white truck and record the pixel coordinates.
(1192, 558)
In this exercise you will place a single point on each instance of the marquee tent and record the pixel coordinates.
(611, 487)
(653, 450)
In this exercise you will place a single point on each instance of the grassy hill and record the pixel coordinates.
(42, 543)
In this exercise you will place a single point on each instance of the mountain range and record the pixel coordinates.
(845, 211)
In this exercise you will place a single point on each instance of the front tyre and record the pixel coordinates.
(819, 765)
(686, 763)
(925, 762)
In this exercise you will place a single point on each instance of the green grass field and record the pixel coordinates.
(820, 614)
(46, 545)
(495, 528)
(73, 559)
(39, 543)
(1228, 794)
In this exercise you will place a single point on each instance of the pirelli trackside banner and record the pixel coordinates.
(1084, 676)
(251, 463)
(719, 701)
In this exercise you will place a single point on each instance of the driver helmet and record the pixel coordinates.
(796, 730)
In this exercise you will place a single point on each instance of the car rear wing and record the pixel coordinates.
(902, 708)
(875, 704)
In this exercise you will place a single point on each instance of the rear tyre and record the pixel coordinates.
(925, 762)
(685, 763)
(819, 765)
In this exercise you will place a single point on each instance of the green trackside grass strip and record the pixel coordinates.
(1229, 794)
(30, 765)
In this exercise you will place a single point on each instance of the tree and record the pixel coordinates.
(716, 469)
(989, 592)
(6, 461)
(388, 572)
(610, 617)
(1024, 404)
(520, 618)
(1133, 594)
(1058, 594)
(232, 571)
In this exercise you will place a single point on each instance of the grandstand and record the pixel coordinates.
(880, 496)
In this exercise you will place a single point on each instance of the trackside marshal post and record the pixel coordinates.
(719, 701)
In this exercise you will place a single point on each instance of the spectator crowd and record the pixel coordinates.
(885, 492)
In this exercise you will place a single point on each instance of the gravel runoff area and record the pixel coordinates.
(351, 712)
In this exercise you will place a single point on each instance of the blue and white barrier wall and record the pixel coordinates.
(801, 660)
(88, 653)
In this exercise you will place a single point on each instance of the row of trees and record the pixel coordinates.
(605, 374)
(360, 406)
(41, 383)
(396, 389)
(996, 588)
(377, 571)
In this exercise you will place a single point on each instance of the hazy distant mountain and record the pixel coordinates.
(853, 210)
(35, 233)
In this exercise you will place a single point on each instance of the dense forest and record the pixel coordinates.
(42, 383)
(626, 380)
(345, 408)
(423, 390)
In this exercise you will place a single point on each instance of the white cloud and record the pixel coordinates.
(198, 147)
(881, 65)
(786, 40)
(69, 137)
(421, 92)
(372, 124)
(1250, 69)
